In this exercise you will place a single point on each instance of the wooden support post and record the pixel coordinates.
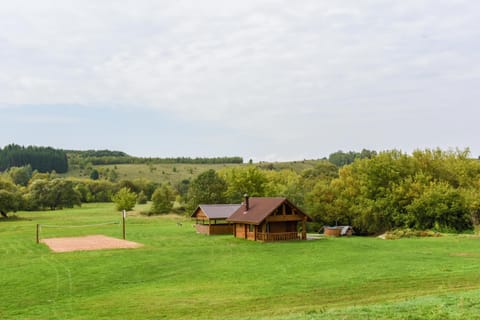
(123, 223)
(304, 230)
(38, 233)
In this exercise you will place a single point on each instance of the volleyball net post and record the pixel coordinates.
(124, 215)
(38, 233)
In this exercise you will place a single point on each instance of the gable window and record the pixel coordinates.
(288, 210)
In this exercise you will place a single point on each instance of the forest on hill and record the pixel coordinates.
(373, 192)
(42, 159)
(108, 157)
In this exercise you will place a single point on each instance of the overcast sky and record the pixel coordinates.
(268, 80)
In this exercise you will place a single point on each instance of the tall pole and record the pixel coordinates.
(38, 233)
(123, 223)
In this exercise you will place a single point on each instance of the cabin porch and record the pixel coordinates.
(213, 227)
(271, 231)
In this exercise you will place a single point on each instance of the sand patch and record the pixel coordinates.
(93, 242)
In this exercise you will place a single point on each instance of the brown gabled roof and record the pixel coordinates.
(216, 211)
(259, 210)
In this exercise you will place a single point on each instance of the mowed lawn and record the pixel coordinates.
(179, 274)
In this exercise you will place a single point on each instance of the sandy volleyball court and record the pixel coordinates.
(93, 242)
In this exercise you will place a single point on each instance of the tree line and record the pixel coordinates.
(429, 189)
(42, 159)
(107, 157)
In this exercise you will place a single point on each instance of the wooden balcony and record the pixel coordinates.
(280, 236)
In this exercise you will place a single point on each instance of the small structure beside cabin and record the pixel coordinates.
(211, 218)
(338, 231)
(269, 219)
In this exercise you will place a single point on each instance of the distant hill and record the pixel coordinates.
(173, 173)
(117, 165)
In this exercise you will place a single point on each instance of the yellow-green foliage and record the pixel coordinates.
(409, 233)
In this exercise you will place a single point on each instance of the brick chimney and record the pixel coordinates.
(247, 202)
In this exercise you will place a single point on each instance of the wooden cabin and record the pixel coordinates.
(269, 219)
(212, 218)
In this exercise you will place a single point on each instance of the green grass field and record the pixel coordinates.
(181, 275)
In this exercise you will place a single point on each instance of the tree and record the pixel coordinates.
(242, 180)
(94, 175)
(208, 187)
(10, 198)
(145, 186)
(321, 205)
(20, 175)
(162, 199)
(124, 199)
(129, 185)
(341, 158)
(142, 198)
(285, 183)
(9, 202)
(100, 190)
(182, 188)
(54, 194)
(441, 207)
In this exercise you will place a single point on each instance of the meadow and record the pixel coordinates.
(176, 172)
(179, 274)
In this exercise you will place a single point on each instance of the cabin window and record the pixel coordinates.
(279, 211)
(250, 228)
(267, 228)
(288, 210)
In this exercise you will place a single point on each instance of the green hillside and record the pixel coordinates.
(176, 172)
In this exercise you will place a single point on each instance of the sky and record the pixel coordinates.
(268, 80)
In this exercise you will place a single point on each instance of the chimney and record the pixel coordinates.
(247, 203)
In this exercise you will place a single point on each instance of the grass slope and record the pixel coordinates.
(181, 275)
(174, 173)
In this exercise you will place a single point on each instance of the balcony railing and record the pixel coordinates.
(280, 236)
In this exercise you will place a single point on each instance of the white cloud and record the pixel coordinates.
(307, 67)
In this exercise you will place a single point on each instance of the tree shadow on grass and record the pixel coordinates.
(13, 218)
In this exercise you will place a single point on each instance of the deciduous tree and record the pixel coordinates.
(162, 199)
(208, 187)
(242, 180)
(124, 199)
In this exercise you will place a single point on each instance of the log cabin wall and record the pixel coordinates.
(240, 230)
(221, 229)
(251, 232)
(202, 228)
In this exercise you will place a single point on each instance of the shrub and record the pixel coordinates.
(162, 199)
(409, 233)
(142, 198)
